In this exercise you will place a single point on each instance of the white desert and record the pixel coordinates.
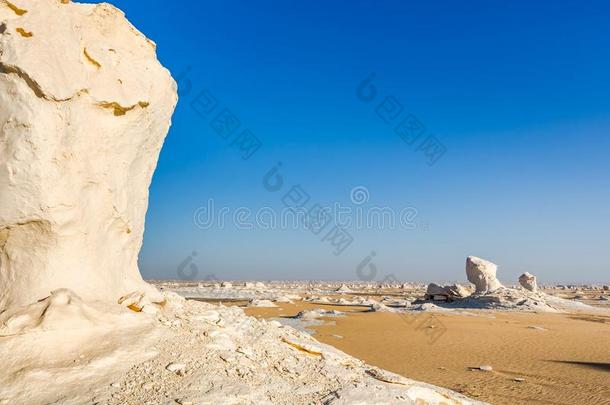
(84, 110)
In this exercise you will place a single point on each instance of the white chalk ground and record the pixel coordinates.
(187, 353)
(64, 350)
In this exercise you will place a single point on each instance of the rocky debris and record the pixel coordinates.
(317, 313)
(344, 289)
(445, 293)
(482, 368)
(528, 281)
(139, 302)
(379, 307)
(226, 284)
(482, 274)
(435, 290)
(178, 368)
(606, 287)
(261, 304)
(261, 362)
(540, 328)
(395, 303)
(84, 109)
(458, 290)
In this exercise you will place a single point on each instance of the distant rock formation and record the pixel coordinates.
(84, 109)
(344, 289)
(528, 281)
(446, 293)
(482, 274)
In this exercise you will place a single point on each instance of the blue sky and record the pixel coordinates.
(517, 93)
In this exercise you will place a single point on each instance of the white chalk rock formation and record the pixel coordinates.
(528, 281)
(458, 290)
(84, 109)
(435, 289)
(344, 289)
(482, 274)
(446, 293)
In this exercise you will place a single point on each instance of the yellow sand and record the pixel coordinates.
(568, 363)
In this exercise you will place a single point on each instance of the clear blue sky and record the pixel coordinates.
(517, 91)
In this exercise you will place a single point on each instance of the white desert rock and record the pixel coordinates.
(261, 304)
(481, 368)
(482, 274)
(379, 307)
(447, 293)
(535, 327)
(435, 289)
(317, 313)
(84, 109)
(138, 302)
(344, 289)
(528, 281)
(458, 290)
(63, 309)
(177, 368)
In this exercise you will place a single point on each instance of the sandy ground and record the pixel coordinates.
(566, 362)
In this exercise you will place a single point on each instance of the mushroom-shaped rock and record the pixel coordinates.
(84, 108)
(528, 281)
(482, 274)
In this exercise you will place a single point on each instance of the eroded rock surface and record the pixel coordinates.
(482, 274)
(528, 281)
(84, 109)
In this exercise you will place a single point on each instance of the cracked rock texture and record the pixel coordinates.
(84, 108)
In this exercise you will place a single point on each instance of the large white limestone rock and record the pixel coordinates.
(528, 281)
(84, 108)
(482, 274)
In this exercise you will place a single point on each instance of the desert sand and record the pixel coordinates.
(561, 358)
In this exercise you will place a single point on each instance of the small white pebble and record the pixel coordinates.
(176, 367)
